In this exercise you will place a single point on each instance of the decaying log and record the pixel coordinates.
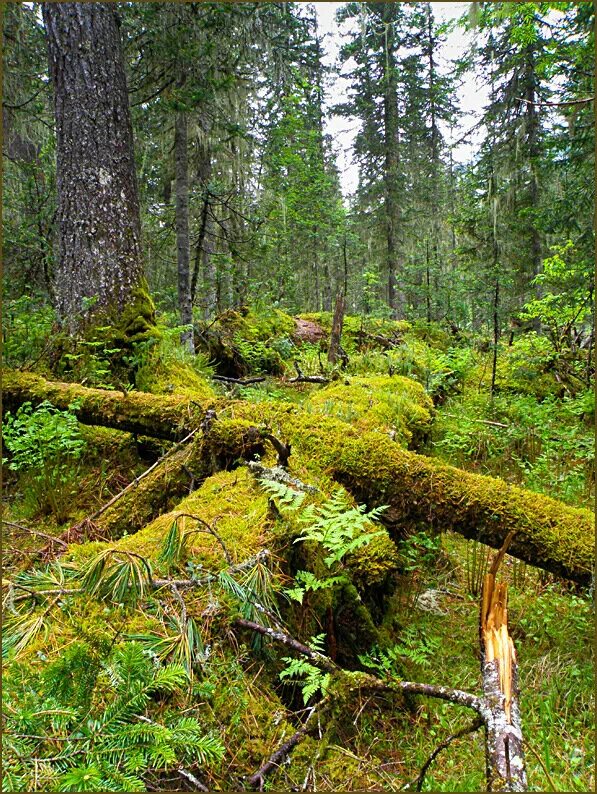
(420, 491)
(283, 450)
(160, 416)
(221, 445)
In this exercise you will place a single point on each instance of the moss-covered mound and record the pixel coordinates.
(245, 342)
(394, 404)
(174, 377)
(232, 500)
(361, 332)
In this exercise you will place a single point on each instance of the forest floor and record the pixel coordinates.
(419, 617)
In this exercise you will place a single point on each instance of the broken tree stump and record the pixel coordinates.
(504, 754)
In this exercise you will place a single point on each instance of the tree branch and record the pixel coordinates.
(582, 101)
(470, 728)
(256, 779)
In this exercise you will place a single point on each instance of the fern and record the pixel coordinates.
(306, 581)
(310, 678)
(339, 527)
(416, 648)
(287, 499)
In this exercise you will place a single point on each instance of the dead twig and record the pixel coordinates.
(209, 529)
(302, 378)
(256, 780)
(470, 728)
(282, 449)
(237, 381)
(35, 532)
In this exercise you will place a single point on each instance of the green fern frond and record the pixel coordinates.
(286, 498)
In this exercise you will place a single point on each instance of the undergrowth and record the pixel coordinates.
(117, 688)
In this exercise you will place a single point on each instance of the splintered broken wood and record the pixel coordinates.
(504, 742)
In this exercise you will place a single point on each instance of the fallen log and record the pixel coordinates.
(160, 416)
(420, 491)
(221, 446)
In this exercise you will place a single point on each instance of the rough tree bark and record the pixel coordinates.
(183, 245)
(99, 255)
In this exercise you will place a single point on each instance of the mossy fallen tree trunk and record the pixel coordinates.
(170, 418)
(419, 491)
(213, 449)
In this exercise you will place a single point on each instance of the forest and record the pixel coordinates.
(298, 359)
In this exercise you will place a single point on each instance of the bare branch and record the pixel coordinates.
(256, 779)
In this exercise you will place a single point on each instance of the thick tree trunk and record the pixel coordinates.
(183, 245)
(99, 255)
(419, 491)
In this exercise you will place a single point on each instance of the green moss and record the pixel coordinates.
(374, 563)
(378, 403)
(174, 377)
(163, 417)
(231, 497)
(136, 322)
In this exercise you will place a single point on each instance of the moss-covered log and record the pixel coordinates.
(419, 491)
(166, 417)
(221, 447)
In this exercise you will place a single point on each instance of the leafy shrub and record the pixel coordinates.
(45, 446)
